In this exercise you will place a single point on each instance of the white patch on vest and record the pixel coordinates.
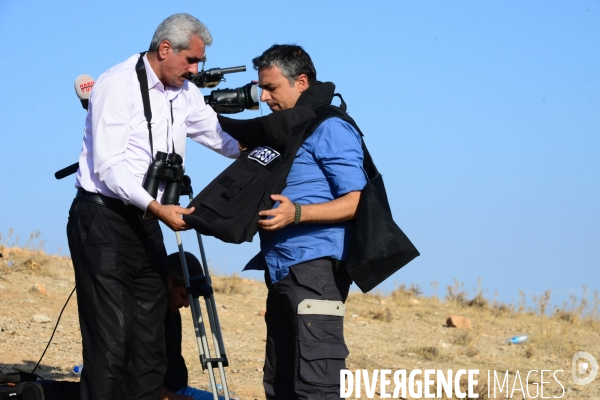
(263, 155)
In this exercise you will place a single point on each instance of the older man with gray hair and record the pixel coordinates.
(137, 108)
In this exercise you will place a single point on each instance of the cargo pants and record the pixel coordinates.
(305, 348)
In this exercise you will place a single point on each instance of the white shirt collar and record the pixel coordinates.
(154, 82)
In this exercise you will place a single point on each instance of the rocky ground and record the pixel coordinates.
(399, 331)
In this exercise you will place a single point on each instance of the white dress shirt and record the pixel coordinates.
(116, 144)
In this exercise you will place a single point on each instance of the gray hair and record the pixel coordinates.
(179, 29)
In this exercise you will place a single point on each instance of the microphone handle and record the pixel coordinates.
(63, 173)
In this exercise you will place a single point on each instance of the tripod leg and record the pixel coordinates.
(215, 326)
(199, 328)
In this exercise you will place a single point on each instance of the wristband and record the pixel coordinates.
(298, 213)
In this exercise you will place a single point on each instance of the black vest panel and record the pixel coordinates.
(228, 207)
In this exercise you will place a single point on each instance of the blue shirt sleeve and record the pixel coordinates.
(337, 147)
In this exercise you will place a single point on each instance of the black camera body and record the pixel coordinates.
(166, 168)
(231, 101)
(226, 101)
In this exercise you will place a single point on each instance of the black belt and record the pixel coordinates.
(110, 202)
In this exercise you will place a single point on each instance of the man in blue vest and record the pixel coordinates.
(303, 239)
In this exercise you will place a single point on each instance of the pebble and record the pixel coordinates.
(38, 288)
(41, 318)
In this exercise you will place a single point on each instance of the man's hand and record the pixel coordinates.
(171, 215)
(341, 209)
(282, 215)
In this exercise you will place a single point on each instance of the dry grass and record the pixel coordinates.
(16, 259)
(429, 353)
(229, 284)
(401, 330)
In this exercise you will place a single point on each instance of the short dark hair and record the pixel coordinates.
(291, 59)
(176, 271)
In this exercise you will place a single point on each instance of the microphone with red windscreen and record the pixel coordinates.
(83, 88)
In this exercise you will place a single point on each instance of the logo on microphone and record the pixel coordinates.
(580, 368)
(86, 86)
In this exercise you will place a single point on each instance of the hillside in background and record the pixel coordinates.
(403, 330)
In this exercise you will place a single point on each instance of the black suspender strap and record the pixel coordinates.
(140, 70)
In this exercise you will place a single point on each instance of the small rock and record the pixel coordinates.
(41, 318)
(413, 302)
(382, 302)
(262, 312)
(456, 321)
(411, 354)
(2, 287)
(38, 288)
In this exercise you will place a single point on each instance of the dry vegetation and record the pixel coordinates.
(402, 330)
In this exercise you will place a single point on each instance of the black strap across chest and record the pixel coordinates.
(140, 70)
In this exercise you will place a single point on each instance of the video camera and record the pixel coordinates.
(226, 101)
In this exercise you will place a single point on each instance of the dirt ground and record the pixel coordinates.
(399, 331)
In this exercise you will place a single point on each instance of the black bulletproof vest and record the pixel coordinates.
(228, 207)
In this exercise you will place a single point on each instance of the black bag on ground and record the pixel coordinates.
(25, 386)
(60, 390)
(22, 391)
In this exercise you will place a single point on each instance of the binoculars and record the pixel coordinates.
(166, 168)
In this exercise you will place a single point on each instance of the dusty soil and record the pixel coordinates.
(399, 331)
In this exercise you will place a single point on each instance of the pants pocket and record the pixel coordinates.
(322, 351)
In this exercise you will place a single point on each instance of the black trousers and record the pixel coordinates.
(304, 353)
(121, 276)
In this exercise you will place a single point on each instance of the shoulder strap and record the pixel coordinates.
(140, 70)
(332, 111)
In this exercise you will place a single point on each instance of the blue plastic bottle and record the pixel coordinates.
(77, 369)
(518, 339)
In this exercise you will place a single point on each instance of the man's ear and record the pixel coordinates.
(302, 82)
(163, 49)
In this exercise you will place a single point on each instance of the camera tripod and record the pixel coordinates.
(202, 286)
